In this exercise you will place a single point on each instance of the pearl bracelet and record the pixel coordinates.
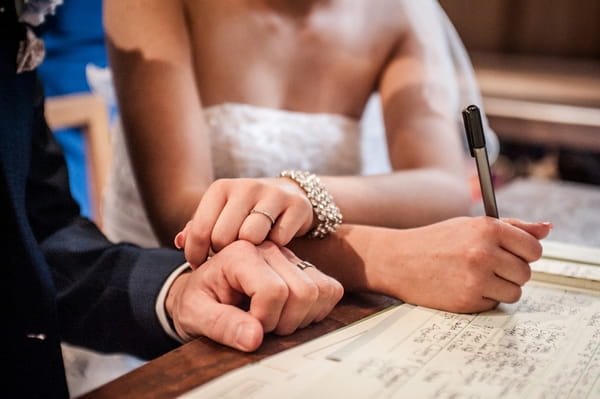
(326, 211)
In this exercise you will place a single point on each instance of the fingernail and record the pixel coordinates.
(245, 337)
(549, 225)
(176, 241)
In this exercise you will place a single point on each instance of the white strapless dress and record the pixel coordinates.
(246, 141)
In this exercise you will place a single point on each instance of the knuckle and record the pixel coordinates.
(193, 256)
(241, 252)
(220, 185)
(332, 290)
(269, 247)
(469, 294)
(473, 286)
(250, 234)
(536, 252)
(283, 330)
(487, 226)
(301, 201)
(199, 235)
(280, 236)
(475, 255)
(337, 291)
(514, 295)
(253, 186)
(220, 239)
(308, 292)
(466, 302)
(242, 247)
(279, 291)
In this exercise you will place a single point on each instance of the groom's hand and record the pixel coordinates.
(245, 291)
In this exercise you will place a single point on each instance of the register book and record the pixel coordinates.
(547, 345)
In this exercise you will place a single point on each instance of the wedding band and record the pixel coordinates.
(303, 264)
(265, 213)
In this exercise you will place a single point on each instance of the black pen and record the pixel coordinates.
(476, 139)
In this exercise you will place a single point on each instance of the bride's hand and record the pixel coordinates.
(462, 264)
(245, 209)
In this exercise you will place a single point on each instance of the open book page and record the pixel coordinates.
(298, 365)
(545, 345)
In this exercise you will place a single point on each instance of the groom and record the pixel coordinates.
(64, 281)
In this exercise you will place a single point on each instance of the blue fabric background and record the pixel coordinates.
(74, 37)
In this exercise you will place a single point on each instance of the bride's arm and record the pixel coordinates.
(419, 93)
(160, 107)
(461, 264)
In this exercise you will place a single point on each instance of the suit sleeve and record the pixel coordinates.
(106, 292)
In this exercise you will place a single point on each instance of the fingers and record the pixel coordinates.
(259, 221)
(330, 292)
(311, 294)
(282, 298)
(196, 237)
(519, 245)
(469, 264)
(481, 305)
(277, 218)
(294, 222)
(501, 290)
(303, 293)
(245, 209)
(513, 269)
(229, 325)
(179, 240)
(539, 230)
(515, 237)
(210, 303)
(231, 218)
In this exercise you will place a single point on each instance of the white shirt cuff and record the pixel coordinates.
(161, 312)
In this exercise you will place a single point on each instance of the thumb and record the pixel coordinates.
(229, 325)
(539, 230)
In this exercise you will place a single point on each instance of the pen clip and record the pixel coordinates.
(468, 131)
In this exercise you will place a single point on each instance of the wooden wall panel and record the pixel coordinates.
(568, 28)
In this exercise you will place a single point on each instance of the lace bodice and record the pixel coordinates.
(246, 141)
(249, 141)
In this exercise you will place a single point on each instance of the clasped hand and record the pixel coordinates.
(245, 291)
(253, 210)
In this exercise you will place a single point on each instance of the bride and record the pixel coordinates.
(239, 91)
(218, 98)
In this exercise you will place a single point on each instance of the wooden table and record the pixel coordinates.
(202, 360)
(573, 208)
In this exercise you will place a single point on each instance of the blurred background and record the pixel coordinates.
(538, 66)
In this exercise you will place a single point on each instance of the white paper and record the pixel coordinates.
(547, 345)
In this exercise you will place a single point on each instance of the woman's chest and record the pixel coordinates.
(322, 60)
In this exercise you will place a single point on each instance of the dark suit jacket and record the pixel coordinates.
(61, 279)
